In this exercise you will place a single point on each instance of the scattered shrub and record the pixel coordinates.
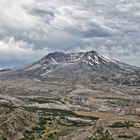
(101, 134)
(122, 124)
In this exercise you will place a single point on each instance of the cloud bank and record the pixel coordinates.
(30, 29)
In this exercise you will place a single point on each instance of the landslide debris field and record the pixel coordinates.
(35, 110)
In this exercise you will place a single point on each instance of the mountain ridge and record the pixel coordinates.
(64, 65)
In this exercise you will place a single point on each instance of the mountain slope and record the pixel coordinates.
(84, 65)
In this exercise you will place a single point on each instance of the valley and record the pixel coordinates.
(38, 110)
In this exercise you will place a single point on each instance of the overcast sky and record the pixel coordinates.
(30, 29)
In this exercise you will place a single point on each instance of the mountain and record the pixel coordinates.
(83, 65)
(66, 95)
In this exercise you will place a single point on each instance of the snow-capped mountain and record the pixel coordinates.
(88, 60)
(91, 58)
(82, 64)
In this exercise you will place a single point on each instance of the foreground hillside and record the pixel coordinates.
(37, 110)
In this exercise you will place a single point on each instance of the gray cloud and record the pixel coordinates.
(39, 27)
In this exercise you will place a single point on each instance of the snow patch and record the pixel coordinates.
(53, 61)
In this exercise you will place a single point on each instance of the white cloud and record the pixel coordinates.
(13, 14)
(11, 48)
(18, 50)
